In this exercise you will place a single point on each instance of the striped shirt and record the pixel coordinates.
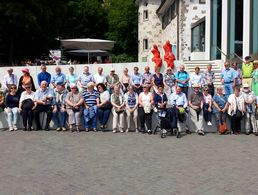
(90, 98)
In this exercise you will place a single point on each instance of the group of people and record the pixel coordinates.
(66, 98)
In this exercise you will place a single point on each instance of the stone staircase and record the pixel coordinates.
(216, 67)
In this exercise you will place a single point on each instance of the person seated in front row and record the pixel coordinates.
(44, 98)
(60, 93)
(179, 103)
(160, 98)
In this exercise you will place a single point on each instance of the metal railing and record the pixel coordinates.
(229, 56)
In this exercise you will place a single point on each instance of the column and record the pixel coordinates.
(224, 29)
(246, 27)
(208, 31)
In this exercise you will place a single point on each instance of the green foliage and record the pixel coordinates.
(28, 28)
(123, 58)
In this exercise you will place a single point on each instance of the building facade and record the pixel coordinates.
(199, 29)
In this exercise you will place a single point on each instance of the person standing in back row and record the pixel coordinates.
(247, 69)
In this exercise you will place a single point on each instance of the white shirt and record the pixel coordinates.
(25, 96)
(99, 78)
(234, 103)
(196, 78)
(10, 79)
(207, 98)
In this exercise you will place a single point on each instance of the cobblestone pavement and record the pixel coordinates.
(105, 163)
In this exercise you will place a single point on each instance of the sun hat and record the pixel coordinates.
(25, 70)
(196, 85)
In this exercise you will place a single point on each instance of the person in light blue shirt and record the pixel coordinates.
(178, 98)
(71, 78)
(85, 78)
(182, 79)
(228, 79)
(136, 80)
(59, 77)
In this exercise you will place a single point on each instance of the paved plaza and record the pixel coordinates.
(47, 163)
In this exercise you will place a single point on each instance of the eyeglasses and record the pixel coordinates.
(205, 90)
(27, 87)
(13, 88)
(169, 70)
(74, 88)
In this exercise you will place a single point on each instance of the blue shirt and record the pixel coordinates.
(220, 100)
(44, 76)
(85, 78)
(59, 78)
(136, 79)
(228, 75)
(182, 76)
(40, 95)
(71, 78)
(178, 99)
(90, 97)
(160, 99)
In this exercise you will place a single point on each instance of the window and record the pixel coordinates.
(198, 36)
(145, 44)
(202, 1)
(145, 15)
(170, 14)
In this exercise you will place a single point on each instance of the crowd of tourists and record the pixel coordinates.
(72, 100)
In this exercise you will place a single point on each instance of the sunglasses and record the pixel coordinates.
(205, 90)
(27, 87)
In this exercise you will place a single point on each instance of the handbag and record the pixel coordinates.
(223, 128)
(239, 114)
(27, 104)
(119, 110)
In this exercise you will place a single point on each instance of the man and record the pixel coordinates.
(196, 77)
(44, 75)
(59, 77)
(44, 100)
(99, 77)
(247, 69)
(182, 79)
(147, 77)
(91, 99)
(60, 93)
(196, 108)
(85, 77)
(228, 78)
(9, 79)
(136, 80)
(111, 80)
(209, 78)
(178, 101)
(238, 74)
(249, 98)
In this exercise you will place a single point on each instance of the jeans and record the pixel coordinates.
(103, 115)
(228, 89)
(206, 114)
(220, 118)
(56, 119)
(12, 116)
(87, 119)
(185, 91)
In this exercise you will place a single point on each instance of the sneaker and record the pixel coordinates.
(114, 131)
(77, 128)
(121, 131)
(200, 132)
(127, 130)
(149, 131)
(15, 128)
(58, 129)
(71, 128)
(86, 129)
(10, 128)
(136, 131)
(209, 123)
(94, 129)
(63, 128)
(187, 131)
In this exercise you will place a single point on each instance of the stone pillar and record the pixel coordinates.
(246, 27)
(208, 31)
(224, 29)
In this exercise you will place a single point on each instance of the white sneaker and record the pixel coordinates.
(10, 128)
(114, 131)
(209, 123)
(63, 128)
(127, 130)
(15, 128)
(136, 131)
(58, 129)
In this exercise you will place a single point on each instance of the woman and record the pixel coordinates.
(145, 109)
(117, 101)
(207, 106)
(169, 81)
(131, 104)
(220, 106)
(104, 105)
(236, 110)
(157, 79)
(25, 79)
(255, 78)
(74, 101)
(125, 80)
(26, 106)
(71, 78)
(160, 99)
(12, 104)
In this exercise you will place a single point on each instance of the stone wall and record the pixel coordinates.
(148, 29)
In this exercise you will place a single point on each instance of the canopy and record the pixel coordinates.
(89, 44)
(90, 53)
